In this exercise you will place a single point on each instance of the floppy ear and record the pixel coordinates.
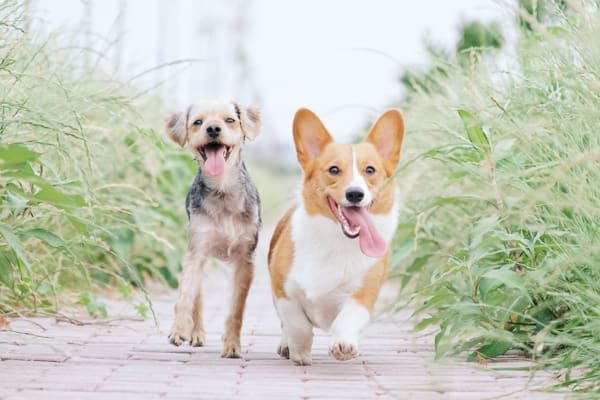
(175, 125)
(310, 136)
(386, 135)
(249, 119)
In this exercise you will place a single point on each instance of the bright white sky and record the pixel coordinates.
(341, 58)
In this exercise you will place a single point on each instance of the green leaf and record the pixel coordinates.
(558, 31)
(503, 148)
(15, 154)
(168, 276)
(94, 307)
(44, 287)
(14, 243)
(142, 309)
(445, 150)
(50, 195)
(475, 131)
(490, 350)
(47, 237)
(424, 323)
(509, 278)
(121, 242)
(16, 204)
(7, 260)
(79, 224)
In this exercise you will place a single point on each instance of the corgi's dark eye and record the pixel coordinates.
(198, 122)
(334, 170)
(230, 120)
(370, 170)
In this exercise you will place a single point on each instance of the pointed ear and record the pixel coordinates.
(175, 125)
(386, 135)
(310, 136)
(249, 119)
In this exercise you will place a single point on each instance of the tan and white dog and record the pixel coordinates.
(223, 208)
(330, 254)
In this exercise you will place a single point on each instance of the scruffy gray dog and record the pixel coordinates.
(223, 208)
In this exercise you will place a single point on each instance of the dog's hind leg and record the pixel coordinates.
(283, 349)
(187, 325)
(297, 332)
(244, 272)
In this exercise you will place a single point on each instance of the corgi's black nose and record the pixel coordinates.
(354, 195)
(213, 131)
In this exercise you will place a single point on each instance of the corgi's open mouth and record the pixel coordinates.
(357, 222)
(215, 155)
(349, 228)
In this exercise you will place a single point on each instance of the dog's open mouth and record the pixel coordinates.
(357, 222)
(215, 155)
(349, 228)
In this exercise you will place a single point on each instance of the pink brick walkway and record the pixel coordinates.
(132, 360)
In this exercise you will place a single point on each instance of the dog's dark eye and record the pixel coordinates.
(334, 170)
(198, 122)
(370, 170)
(230, 120)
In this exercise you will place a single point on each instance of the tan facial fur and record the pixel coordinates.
(317, 153)
(235, 122)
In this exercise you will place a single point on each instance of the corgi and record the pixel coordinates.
(330, 253)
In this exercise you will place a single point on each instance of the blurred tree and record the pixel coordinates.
(478, 36)
(544, 11)
(474, 36)
(425, 80)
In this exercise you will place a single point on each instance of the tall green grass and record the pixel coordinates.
(499, 243)
(90, 194)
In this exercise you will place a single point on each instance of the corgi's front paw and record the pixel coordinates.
(301, 358)
(343, 350)
(283, 351)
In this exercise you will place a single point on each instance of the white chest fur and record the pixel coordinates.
(328, 266)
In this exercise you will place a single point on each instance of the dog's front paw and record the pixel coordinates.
(180, 333)
(177, 338)
(197, 339)
(301, 358)
(231, 348)
(343, 351)
(283, 351)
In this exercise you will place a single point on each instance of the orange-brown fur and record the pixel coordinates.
(312, 284)
(281, 253)
(318, 184)
(367, 294)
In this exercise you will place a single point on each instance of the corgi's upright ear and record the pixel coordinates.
(386, 135)
(310, 136)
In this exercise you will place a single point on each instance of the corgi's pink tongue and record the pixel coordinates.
(215, 161)
(371, 242)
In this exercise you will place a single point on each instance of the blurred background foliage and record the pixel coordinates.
(498, 247)
(91, 194)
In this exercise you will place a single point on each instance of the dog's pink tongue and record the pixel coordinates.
(371, 242)
(215, 161)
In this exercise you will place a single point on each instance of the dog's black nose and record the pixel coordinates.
(354, 195)
(213, 131)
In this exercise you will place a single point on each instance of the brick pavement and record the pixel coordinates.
(132, 360)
